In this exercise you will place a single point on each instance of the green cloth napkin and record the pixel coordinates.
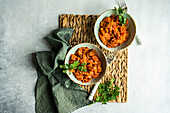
(55, 92)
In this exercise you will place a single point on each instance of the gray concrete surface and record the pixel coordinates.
(24, 23)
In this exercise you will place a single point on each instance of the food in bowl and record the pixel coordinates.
(66, 67)
(88, 64)
(112, 33)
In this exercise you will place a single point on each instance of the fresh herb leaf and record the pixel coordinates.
(83, 64)
(112, 80)
(121, 13)
(67, 64)
(70, 72)
(107, 92)
(113, 97)
(120, 10)
(116, 87)
(64, 71)
(116, 11)
(124, 20)
(74, 65)
(81, 68)
(62, 66)
(120, 18)
(98, 99)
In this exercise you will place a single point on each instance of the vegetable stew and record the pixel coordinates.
(89, 64)
(112, 33)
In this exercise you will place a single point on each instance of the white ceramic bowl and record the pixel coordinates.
(131, 29)
(101, 56)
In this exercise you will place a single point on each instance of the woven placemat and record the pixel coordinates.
(83, 26)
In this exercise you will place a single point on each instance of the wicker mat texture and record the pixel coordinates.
(83, 26)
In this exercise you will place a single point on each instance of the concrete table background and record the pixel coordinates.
(24, 23)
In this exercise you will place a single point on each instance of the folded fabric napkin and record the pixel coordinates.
(55, 92)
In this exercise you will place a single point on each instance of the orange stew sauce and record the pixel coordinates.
(112, 33)
(93, 64)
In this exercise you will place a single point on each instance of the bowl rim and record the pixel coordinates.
(98, 40)
(100, 51)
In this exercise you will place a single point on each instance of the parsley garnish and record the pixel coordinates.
(81, 68)
(107, 92)
(122, 18)
(83, 64)
(74, 65)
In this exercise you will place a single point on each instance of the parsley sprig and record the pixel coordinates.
(121, 13)
(107, 92)
(74, 65)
